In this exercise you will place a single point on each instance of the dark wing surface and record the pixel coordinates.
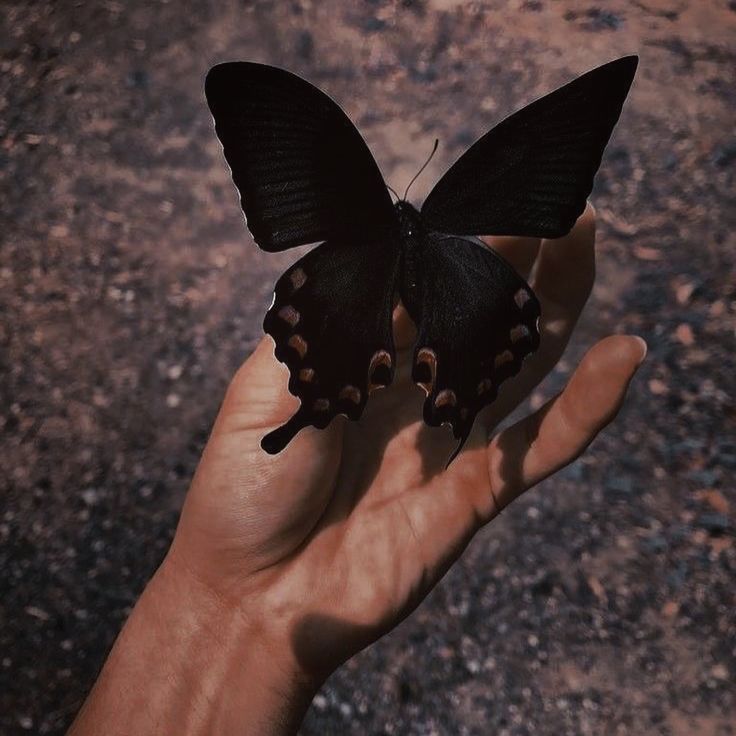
(532, 173)
(331, 320)
(303, 171)
(477, 321)
(305, 175)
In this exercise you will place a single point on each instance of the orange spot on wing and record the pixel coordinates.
(351, 393)
(299, 344)
(446, 397)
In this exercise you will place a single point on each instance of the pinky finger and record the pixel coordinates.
(538, 445)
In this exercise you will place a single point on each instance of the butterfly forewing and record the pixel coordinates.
(532, 173)
(302, 169)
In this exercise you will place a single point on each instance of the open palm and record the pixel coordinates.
(341, 535)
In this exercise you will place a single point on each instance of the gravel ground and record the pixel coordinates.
(603, 602)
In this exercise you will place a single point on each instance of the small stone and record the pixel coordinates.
(719, 672)
(683, 292)
(719, 544)
(174, 372)
(717, 309)
(59, 231)
(38, 613)
(698, 537)
(658, 387)
(715, 499)
(598, 590)
(320, 702)
(489, 663)
(346, 709)
(670, 609)
(488, 104)
(100, 399)
(173, 400)
(684, 334)
(25, 722)
(644, 253)
(90, 496)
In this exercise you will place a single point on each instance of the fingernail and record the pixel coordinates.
(644, 348)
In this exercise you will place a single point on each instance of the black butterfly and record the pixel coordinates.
(305, 175)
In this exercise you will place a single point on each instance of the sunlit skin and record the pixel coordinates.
(285, 566)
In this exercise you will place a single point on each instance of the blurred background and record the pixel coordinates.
(604, 601)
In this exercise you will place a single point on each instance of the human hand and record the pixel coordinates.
(283, 567)
(331, 543)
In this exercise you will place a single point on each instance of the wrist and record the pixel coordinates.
(190, 662)
(244, 672)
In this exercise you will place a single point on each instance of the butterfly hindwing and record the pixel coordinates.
(532, 173)
(303, 171)
(477, 321)
(331, 321)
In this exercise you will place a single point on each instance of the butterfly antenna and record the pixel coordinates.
(393, 191)
(424, 166)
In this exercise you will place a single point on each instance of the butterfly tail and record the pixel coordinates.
(456, 451)
(277, 440)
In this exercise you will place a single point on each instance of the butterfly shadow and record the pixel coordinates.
(365, 448)
(313, 629)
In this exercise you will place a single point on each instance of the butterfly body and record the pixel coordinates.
(412, 235)
(409, 220)
(306, 176)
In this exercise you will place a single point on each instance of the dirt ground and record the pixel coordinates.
(604, 602)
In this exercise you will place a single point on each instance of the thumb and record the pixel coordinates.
(258, 395)
(255, 506)
(258, 401)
